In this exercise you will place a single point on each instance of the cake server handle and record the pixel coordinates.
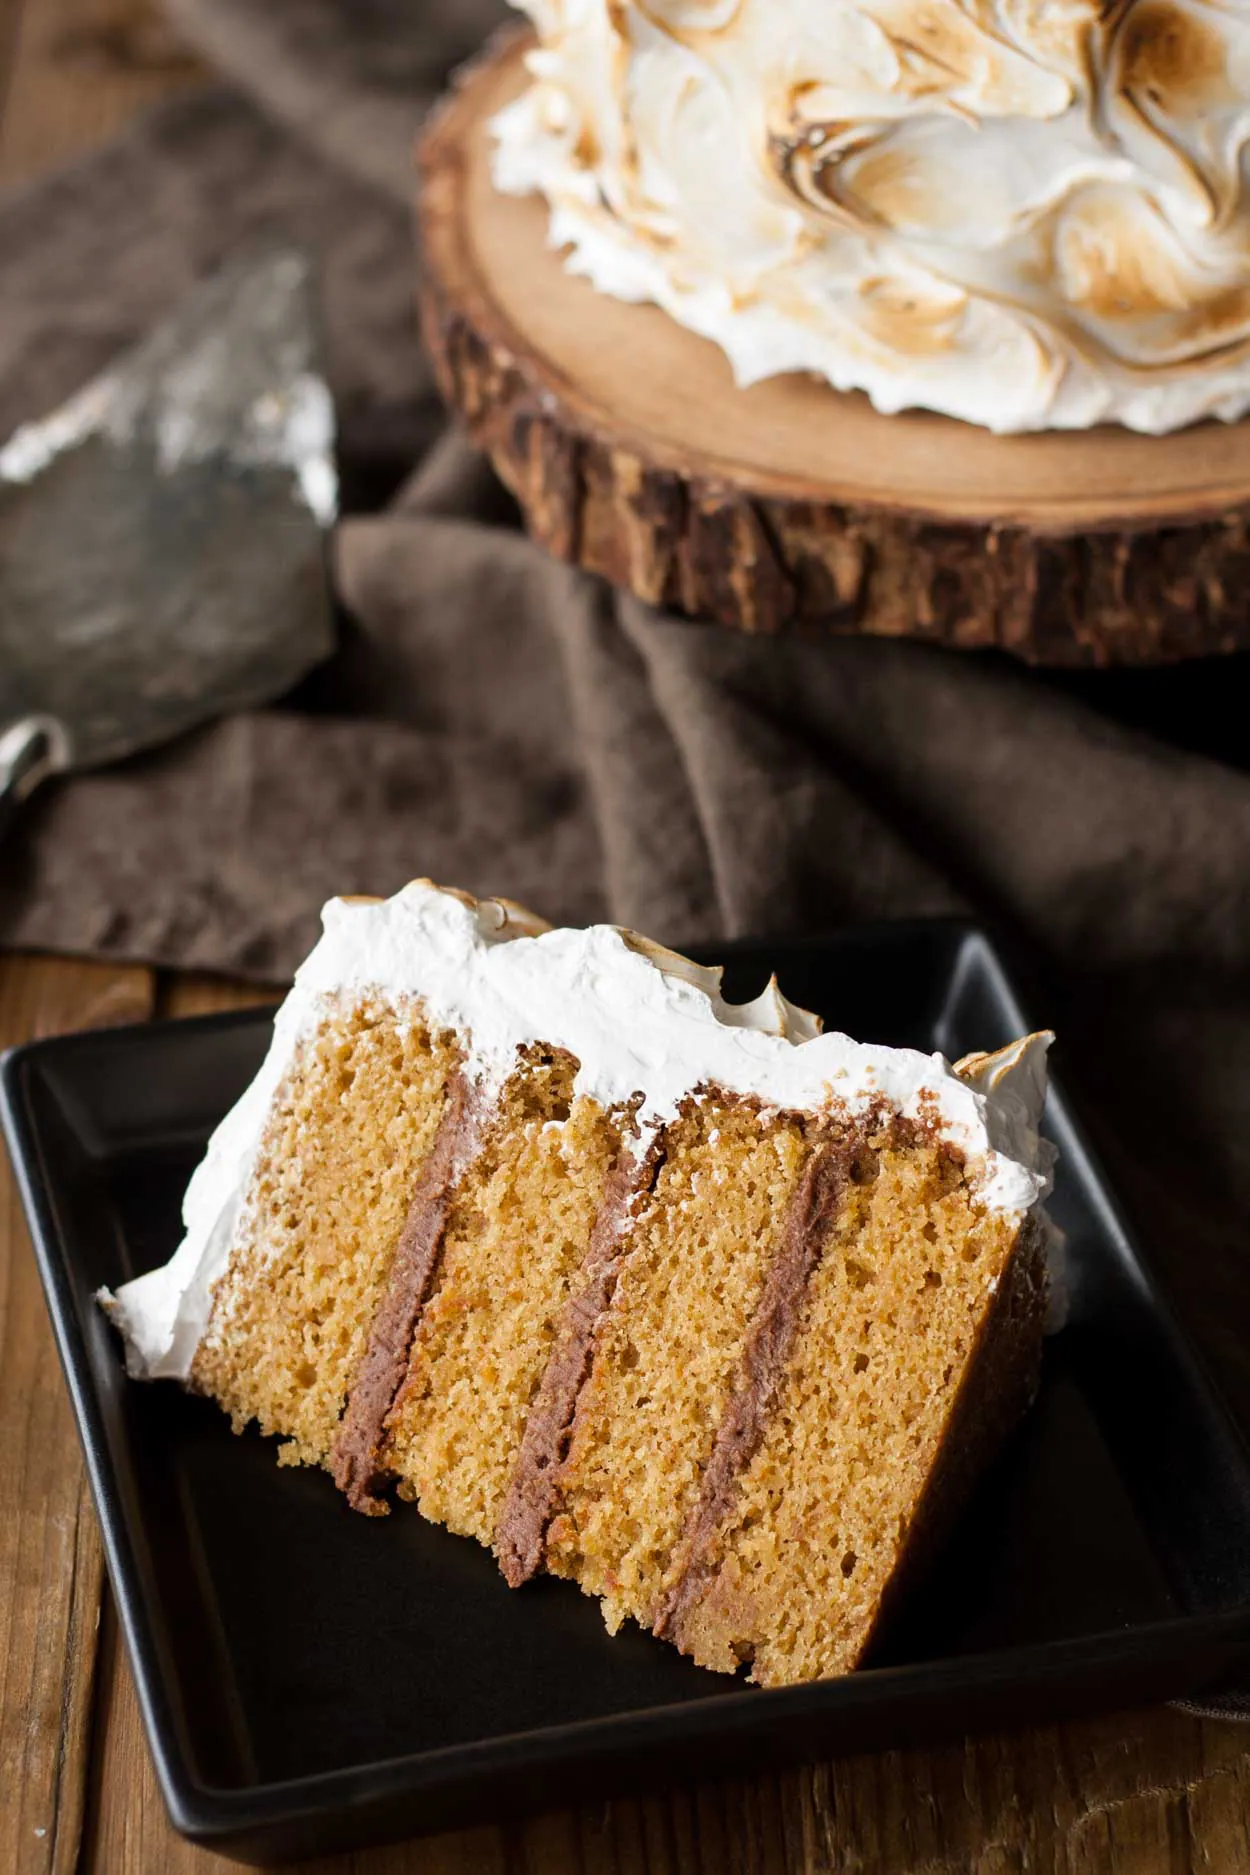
(31, 749)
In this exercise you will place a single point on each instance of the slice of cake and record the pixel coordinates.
(712, 1314)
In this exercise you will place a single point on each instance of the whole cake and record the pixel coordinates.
(713, 1314)
(1024, 213)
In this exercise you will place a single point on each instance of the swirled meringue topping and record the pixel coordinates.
(1026, 213)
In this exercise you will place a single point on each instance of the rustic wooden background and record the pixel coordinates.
(1140, 1793)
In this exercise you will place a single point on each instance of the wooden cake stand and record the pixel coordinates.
(633, 454)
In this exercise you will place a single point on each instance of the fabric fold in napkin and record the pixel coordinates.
(507, 724)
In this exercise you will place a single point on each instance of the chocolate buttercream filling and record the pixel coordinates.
(811, 1214)
(356, 1461)
(535, 1486)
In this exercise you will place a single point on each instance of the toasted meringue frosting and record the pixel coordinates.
(647, 1027)
(1028, 214)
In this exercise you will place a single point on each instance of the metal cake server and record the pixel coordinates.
(162, 551)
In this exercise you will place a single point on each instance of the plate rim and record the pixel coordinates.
(213, 1815)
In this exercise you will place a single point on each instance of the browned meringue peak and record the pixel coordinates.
(770, 1013)
(500, 918)
(1012, 1082)
(1022, 1063)
(1022, 212)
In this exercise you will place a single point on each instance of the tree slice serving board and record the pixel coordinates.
(788, 504)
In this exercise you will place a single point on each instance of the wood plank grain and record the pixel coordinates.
(77, 71)
(179, 995)
(51, 1569)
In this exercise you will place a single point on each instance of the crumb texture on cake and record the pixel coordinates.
(342, 1149)
(716, 1317)
(667, 1349)
(895, 1308)
(516, 1238)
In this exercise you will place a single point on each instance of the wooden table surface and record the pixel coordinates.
(1139, 1793)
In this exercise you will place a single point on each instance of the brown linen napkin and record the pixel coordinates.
(353, 77)
(507, 724)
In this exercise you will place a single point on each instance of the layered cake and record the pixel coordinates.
(712, 1314)
(1024, 213)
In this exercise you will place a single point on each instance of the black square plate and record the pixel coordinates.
(311, 1680)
